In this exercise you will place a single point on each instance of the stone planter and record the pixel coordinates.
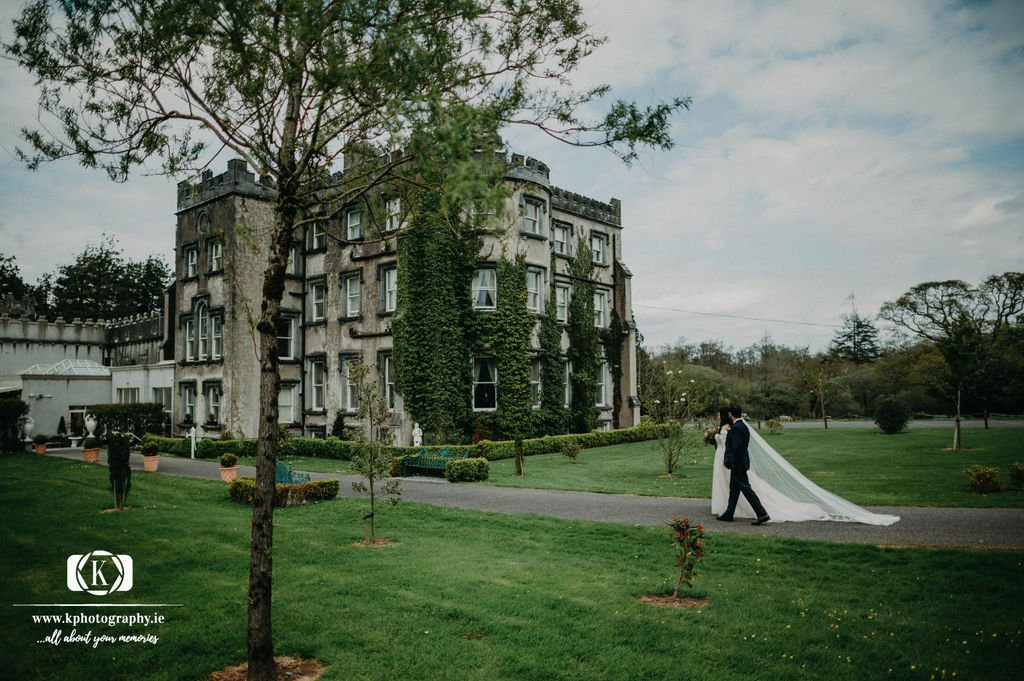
(229, 474)
(151, 463)
(91, 455)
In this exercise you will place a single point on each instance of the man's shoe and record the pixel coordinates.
(723, 518)
(762, 520)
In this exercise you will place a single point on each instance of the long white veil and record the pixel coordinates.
(803, 500)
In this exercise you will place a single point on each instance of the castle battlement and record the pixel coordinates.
(571, 202)
(529, 169)
(42, 330)
(237, 180)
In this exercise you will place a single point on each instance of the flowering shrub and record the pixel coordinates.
(983, 479)
(689, 543)
(774, 426)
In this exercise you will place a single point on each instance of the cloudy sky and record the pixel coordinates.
(832, 149)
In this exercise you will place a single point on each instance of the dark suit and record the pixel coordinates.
(737, 459)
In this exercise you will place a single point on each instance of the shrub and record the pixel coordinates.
(983, 479)
(571, 451)
(689, 542)
(149, 448)
(11, 413)
(774, 426)
(41, 438)
(243, 490)
(91, 443)
(467, 470)
(228, 460)
(892, 414)
(118, 457)
(1017, 474)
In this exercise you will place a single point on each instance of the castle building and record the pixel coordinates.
(342, 293)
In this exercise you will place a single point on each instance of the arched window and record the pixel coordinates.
(203, 329)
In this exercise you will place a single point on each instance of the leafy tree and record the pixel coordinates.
(13, 290)
(102, 284)
(857, 341)
(388, 88)
(821, 374)
(969, 327)
(372, 461)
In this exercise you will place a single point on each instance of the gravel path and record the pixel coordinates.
(962, 527)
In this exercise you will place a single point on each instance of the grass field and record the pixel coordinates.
(864, 466)
(468, 595)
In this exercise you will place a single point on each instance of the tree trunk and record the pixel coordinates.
(519, 456)
(957, 440)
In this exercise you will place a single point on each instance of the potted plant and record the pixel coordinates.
(211, 419)
(40, 441)
(91, 450)
(150, 457)
(228, 467)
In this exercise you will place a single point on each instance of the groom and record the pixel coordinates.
(737, 459)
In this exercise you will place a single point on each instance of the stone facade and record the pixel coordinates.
(339, 297)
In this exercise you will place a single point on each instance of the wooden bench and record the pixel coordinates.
(284, 474)
(427, 462)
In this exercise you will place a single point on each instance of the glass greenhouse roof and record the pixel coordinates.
(68, 367)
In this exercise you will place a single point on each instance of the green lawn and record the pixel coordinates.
(468, 595)
(307, 463)
(865, 466)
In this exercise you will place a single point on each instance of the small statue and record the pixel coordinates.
(417, 435)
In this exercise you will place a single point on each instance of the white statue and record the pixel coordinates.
(417, 435)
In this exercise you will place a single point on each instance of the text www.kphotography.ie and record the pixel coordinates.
(99, 573)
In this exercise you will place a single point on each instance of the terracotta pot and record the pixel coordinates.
(229, 474)
(151, 463)
(40, 449)
(91, 455)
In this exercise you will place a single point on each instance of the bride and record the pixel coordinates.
(784, 491)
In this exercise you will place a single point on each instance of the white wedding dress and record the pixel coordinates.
(786, 494)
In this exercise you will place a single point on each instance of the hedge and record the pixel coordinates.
(467, 470)
(243, 490)
(138, 418)
(335, 448)
(11, 410)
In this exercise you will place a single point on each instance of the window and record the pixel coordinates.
(349, 388)
(317, 236)
(352, 294)
(214, 255)
(568, 383)
(191, 262)
(354, 225)
(203, 330)
(601, 309)
(286, 404)
(190, 339)
(217, 337)
(127, 395)
(560, 233)
(294, 266)
(188, 401)
(286, 337)
(535, 382)
(485, 289)
(485, 384)
(604, 385)
(317, 301)
(392, 215)
(562, 303)
(387, 379)
(317, 385)
(533, 217)
(163, 396)
(389, 288)
(535, 289)
(212, 394)
(599, 248)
